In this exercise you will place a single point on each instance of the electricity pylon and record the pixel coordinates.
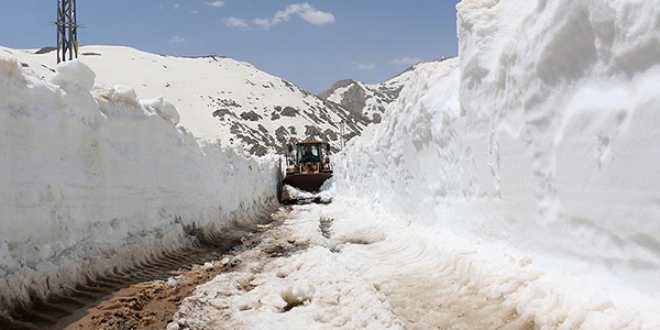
(67, 30)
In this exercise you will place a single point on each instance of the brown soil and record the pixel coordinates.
(151, 305)
(148, 305)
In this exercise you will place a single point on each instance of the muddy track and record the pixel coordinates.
(60, 309)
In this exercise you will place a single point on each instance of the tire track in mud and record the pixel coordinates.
(58, 310)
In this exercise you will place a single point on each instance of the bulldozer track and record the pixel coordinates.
(58, 310)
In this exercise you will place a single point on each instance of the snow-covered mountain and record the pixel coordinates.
(367, 102)
(219, 99)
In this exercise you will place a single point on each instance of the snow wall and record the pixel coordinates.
(542, 140)
(95, 178)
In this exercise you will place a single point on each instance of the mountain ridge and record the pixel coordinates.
(368, 102)
(228, 101)
(220, 99)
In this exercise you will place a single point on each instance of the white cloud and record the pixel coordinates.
(194, 12)
(236, 22)
(262, 22)
(177, 6)
(406, 60)
(317, 17)
(303, 10)
(215, 4)
(177, 40)
(364, 66)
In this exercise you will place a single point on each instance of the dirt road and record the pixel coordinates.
(151, 304)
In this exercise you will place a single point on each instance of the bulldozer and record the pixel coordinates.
(308, 167)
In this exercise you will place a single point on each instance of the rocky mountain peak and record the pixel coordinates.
(367, 102)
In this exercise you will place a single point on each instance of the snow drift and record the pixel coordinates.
(94, 177)
(540, 140)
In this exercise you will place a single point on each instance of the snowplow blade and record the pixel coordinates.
(307, 182)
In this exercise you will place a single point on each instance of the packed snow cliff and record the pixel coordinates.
(94, 178)
(539, 142)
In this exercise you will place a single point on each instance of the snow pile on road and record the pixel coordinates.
(540, 142)
(347, 266)
(299, 277)
(94, 177)
(326, 193)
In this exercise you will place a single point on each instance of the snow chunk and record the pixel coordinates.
(124, 94)
(164, 109)
(120, 101)
(9, 68)
(173, 326)
(324, 195)
(74, 73)
(297, 295)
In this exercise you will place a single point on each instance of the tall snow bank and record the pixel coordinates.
(566, 94)
(541, 140)
(90, 180)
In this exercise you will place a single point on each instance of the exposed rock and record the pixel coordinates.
(290, 112)
(236, 128)
(332, 135)
(251, 116)
(222, 112)
(281, 134)
(46, 50)
(292, 130)
(312, 131)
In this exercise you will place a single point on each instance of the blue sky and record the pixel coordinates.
(310, 43)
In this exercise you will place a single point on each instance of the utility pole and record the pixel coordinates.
(67, 30)
(341, 132)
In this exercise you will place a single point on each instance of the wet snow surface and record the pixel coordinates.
(348, 266)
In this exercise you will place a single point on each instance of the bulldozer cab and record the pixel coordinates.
(309, 152)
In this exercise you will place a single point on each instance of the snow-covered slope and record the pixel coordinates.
(540, 142)
(92, 180)
(218, 98)
(367, 102)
